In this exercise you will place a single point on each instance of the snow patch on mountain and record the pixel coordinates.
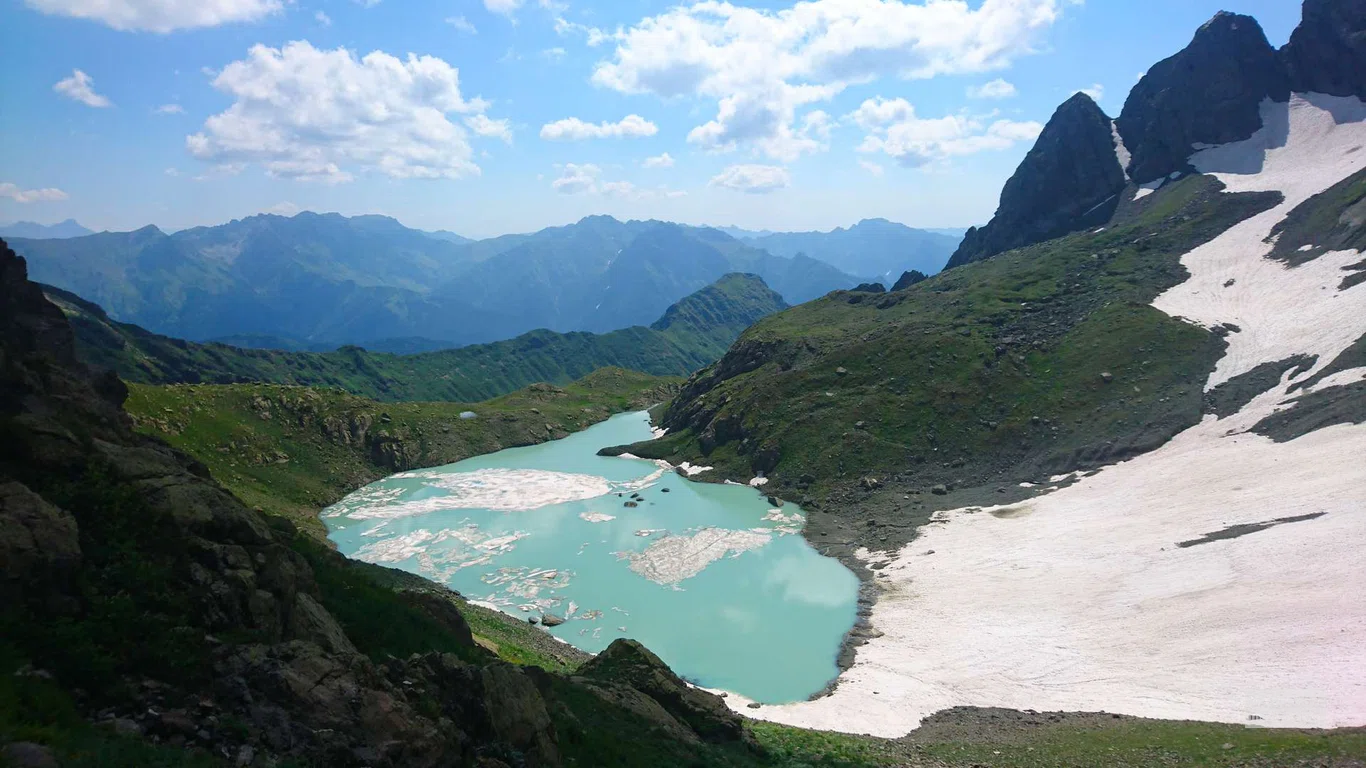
(1219, 577)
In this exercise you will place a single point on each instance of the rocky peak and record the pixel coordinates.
(1208, 93)
(1067, 181)
(909, 279)
(1327, 52)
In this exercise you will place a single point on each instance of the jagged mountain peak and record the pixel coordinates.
(1063, 184)
(1327, 52)
(1210, 92)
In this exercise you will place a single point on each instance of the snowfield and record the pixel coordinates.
(1111, 594)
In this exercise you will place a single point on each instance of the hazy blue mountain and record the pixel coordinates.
(449, 236)
(319, 281)
(873, 248)
(61, 229)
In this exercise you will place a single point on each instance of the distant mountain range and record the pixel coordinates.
(875, 248)
(68, 228)
(690, 334)
(314, 282)
(317, 281)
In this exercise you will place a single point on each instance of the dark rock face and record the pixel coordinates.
(1208, 93)
(869, 288)
(1327, 52)
(909, 279)
(1068, 181)
(628, 663)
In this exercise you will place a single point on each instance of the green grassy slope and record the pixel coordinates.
(1037, 361)
(692, 333)
(292, 450)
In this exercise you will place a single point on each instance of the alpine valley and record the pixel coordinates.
(1083, 487)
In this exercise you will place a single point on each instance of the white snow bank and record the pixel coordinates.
(1083, 598)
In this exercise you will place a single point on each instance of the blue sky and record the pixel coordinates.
(511, 115)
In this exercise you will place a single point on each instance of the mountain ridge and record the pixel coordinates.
(692, 333)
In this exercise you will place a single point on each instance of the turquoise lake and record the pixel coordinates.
(711, 577)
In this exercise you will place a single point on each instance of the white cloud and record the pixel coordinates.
(483, 125)
(160, 15)
(618, 189)
(81, 87)
(872, 168)
(996, 89)
(586, 179)
(284, 208)
(323, 19)
(576, 179)
(574, 129)
(462, 24)
(505, 7)
(172, 172)
(1096, 91)
(754, 179)
(895, 130)
(554, 54)
(47, 195)
(306, 113)
(169, 109)
(593, 36)
(761, 67)
(658, 161)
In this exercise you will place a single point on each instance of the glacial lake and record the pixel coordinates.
(711, 577)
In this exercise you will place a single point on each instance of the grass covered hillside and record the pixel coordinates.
(291, 450)
(1036, 362)
(691, 334)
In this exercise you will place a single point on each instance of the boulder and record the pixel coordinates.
(26, 754)
(940, 490)
(775, 501)
(630, 663)
(551, 620)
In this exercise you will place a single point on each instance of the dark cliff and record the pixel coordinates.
(1069, 179)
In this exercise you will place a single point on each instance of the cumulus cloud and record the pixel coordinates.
(483, 125)
(1096, 91)
(996, 89)
(311, 114)
(761, 67)
(462, 24)
(658, 161)
(895, 130)
(169, 109)
(322, 19)
(160, 15)
(576, 179)
(574, 129)
(81, 87)
(19, 195)
(754, 179)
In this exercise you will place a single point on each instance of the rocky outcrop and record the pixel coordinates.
(909, 279)
(1327, 52)
(1069, 180)
(1209, 93)
(628, 663)
(869, 288)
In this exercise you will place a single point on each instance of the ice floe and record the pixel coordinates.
(678, 557)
